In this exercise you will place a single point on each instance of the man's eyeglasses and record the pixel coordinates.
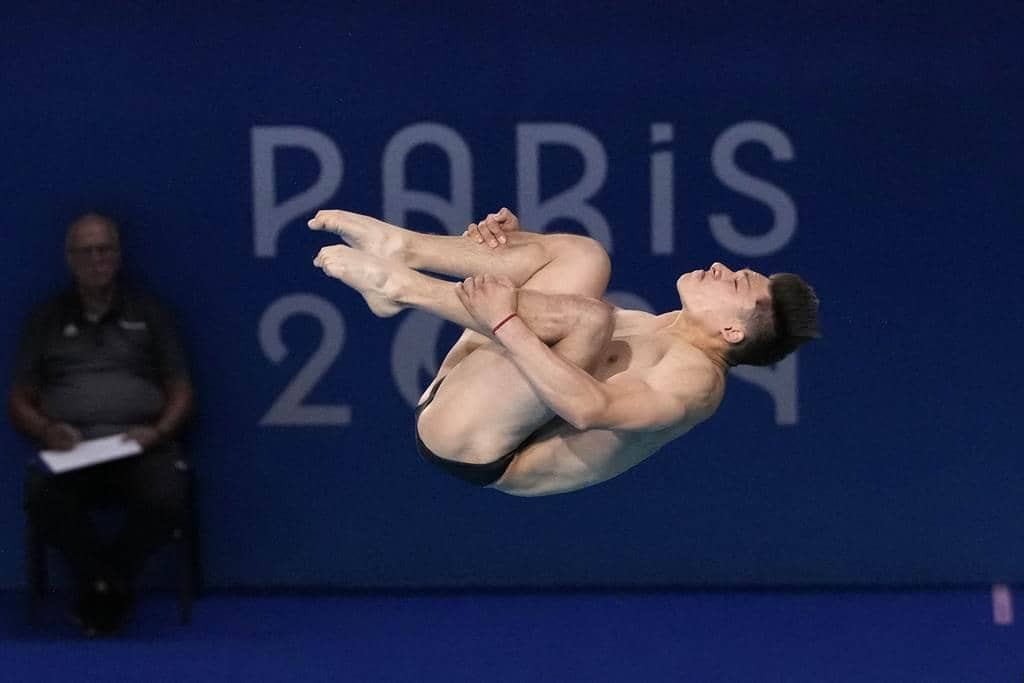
(93, 250)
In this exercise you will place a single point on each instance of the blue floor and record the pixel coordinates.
(739, 636)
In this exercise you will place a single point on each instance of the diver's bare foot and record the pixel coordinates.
(363, 232)
(373, 277)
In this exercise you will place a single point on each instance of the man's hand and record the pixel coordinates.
(488, 298)
(145, 436)
(492, 229)
(60, 436)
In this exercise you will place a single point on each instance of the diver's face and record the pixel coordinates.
(721, 292)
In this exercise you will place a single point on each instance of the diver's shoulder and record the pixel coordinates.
(702, 381)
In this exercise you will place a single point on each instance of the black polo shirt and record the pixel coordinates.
(105, 375)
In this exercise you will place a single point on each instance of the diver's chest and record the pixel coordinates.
(626, 353)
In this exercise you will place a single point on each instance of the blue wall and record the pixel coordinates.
(875, 151)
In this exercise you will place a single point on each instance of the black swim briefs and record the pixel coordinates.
(477, 474)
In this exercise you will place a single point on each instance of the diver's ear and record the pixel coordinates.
(733, 334)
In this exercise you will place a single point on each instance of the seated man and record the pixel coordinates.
(551, 389)
(101, 359)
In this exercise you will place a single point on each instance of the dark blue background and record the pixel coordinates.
(904, 466)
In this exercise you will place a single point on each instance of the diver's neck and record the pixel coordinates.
(687, 329)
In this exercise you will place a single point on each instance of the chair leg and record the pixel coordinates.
(189, 561)
(186, 591)
(188, 552)
(37, 576)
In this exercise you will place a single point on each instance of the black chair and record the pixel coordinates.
(184, 537)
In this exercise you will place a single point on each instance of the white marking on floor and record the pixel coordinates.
(1002, 604)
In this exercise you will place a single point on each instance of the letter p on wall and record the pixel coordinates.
(269, 216)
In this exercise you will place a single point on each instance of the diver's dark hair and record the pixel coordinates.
(780, 327)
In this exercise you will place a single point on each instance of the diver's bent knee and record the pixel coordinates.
(584, 250)
(433, 430)
(459, 440)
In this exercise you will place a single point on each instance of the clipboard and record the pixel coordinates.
(90, 452)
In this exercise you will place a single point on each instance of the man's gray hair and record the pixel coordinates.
(92, 217)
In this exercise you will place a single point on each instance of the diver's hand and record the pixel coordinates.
(492, 230)
(488, 298)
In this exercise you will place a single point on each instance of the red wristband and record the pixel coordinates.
(507, 318)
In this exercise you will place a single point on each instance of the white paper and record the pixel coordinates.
(91, 452)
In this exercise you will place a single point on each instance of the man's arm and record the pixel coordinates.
(177, 408)
(24, 410)
(27, 418)
(579, 399)
(569, 391)
(23, 399)
(173, 370)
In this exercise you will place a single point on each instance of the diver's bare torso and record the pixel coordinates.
(562, 458)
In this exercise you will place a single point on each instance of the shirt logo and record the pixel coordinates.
(132, 325)
(70, 330)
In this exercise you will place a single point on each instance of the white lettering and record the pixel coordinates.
(570, 203)
(724, 164)
(269, 217)
(414, 361)
(662, 192)
(288, 409)
(628, 300)
(780, 383)
(454, 213)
